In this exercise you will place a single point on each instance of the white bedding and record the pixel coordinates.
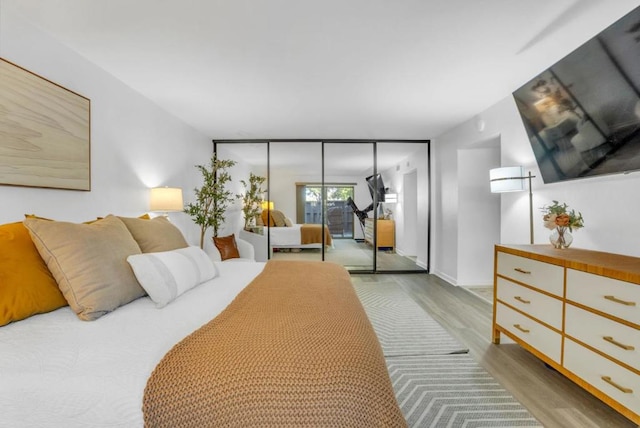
(288, 237)
(59, 371)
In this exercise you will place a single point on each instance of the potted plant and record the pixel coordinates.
(213, 198)
(251, 199)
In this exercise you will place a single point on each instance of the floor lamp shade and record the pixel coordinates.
(166, 199)
(507, 179)
(511, 179)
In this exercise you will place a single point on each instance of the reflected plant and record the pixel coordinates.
(252, 198)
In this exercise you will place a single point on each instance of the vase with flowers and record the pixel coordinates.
(562, 220)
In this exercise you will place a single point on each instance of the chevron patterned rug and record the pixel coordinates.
(402, 326)
(437, 383)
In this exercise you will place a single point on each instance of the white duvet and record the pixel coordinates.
(59, 371)
(288, 237)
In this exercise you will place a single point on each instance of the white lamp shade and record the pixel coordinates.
(391, 198)
(166, 199)
(507, 179)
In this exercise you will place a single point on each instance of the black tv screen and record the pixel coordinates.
(582, 115)
(376, 186)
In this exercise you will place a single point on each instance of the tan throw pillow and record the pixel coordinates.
(276, 218)
(227, 247)
(155, 235)
(89, 263)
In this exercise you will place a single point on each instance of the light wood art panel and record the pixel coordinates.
(44, 132)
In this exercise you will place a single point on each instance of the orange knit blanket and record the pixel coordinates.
(312, 234)
(295, 348)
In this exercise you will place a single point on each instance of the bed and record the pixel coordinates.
(283, 233)
(279, 350)
(299, 236)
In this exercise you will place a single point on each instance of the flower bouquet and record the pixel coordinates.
(559, 218)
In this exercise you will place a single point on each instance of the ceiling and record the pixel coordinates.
(372, 69)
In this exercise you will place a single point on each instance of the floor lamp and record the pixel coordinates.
(511, 179)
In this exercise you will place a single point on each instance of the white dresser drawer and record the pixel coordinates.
(618, 298)
(533, 333)
(592, 367)
(543, 276)
(617, 340)
(540, 306)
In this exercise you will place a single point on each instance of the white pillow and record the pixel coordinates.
(168, 274)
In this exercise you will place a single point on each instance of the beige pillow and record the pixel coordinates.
(155, 235)
(89, 263)
(276, 218)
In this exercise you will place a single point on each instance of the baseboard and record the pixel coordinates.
(451, 280)
(476, 284)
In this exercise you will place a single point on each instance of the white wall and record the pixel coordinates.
(411, 239)
(478, 215)
(609, 204)
(134, 144)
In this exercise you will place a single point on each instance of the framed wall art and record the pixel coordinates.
(45, 132)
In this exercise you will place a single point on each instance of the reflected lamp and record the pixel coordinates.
(391, 198)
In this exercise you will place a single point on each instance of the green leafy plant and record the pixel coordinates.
(213, 198)
(252, 198)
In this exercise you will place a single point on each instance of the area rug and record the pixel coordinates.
(437, 383)
(402, 326)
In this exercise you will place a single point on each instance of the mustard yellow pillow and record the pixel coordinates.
(89, 262)
(155, 235)
(26, 285)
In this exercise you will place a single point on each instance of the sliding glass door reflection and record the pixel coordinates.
(296, 231)
(348, 201)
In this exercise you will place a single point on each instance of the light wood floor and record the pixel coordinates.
(555, 401)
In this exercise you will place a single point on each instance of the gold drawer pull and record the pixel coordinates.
(621, 345)
(522, 329)
(520, 299)
(615, 385)
(526, 272)
(622, 302)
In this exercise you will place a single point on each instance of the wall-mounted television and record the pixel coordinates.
(582, 115)
(376, 186)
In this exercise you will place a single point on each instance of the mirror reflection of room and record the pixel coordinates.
(360, 211)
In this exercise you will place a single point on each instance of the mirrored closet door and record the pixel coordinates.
(361, 204)
(349, 203)
(296, 199)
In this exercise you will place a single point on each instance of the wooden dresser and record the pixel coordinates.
(386, 233)
(578, 311)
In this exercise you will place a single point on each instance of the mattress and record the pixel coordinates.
(288, 237)
(58, 371)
